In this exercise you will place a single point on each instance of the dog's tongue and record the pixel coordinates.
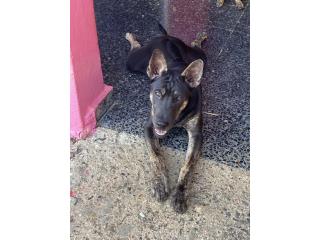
(160, 132)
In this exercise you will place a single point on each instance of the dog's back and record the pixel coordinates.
(176, 52)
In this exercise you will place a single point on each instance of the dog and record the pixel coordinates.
(175, 71)
(238, 3)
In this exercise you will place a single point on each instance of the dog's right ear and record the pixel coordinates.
(157, 64)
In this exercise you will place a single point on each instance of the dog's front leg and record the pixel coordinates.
(160, 188)
(194, 145)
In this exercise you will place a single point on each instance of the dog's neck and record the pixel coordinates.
(193, 107)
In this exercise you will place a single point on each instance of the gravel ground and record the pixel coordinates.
(110, 196)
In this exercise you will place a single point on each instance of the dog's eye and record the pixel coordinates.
(157, 93)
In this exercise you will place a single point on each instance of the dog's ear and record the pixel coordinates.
(193, 73)
(157, 64)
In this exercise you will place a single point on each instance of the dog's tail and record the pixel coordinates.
(162, 30)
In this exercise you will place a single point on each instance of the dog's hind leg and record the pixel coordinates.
(220, 3)
(137, 60)
(239, 4)
(201, 37)
(133, 41)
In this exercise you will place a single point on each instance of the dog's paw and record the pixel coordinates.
(220, 3)
(239, 4)
(178, 202)
(159, 190)
(129, 37)
(201, 37)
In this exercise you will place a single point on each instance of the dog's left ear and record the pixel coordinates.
(193, 73)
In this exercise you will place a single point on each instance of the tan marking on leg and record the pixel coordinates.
(189, 160)
(184, 171)
(200, 38)
(133, 41)
(220, 3)
(179, 199)
(239, 4)
(158, 166)
(191, 123)
(159, 178)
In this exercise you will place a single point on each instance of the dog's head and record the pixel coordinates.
(170, 91)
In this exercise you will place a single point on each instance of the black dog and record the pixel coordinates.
(175, 72)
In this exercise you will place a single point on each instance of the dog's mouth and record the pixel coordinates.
(160, 132)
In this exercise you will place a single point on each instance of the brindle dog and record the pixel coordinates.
(175, 72)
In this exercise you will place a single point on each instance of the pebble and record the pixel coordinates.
(193, 234)
(74, 201)
(124, 230)
(198, 209)
(79, 149)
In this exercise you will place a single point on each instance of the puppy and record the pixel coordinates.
(175, 71)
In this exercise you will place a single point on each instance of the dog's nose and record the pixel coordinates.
(161, 124)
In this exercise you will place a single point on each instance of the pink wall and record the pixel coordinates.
(87, 87)
(185, 21)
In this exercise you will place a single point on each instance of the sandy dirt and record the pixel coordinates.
(110, 194)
